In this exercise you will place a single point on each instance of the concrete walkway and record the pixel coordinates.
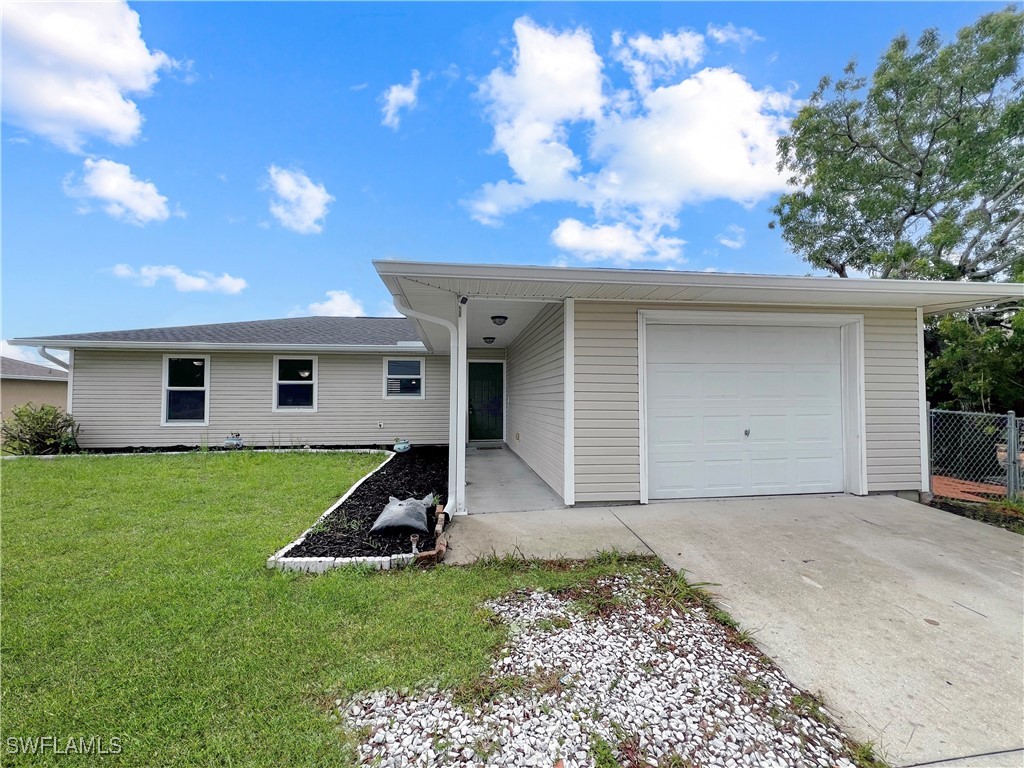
(909, 621)
(499, 481)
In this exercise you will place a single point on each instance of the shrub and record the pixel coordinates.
(39, 430)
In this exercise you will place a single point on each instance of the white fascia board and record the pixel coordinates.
(963, 294)
(197, 346)
(15, 377)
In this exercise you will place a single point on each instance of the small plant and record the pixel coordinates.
(39, 430)
(752, 686)
(603, 753)
(808, 706)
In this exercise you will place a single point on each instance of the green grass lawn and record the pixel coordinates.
(136, 603)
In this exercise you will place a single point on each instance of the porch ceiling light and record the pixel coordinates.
(499, 319)
(488, 339)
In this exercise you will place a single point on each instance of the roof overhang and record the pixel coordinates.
(419, 285)
(15, 377)
(170, 346)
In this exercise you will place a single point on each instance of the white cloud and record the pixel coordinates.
(399, 97)
(649, 59)
(202, 281)
(300, 205)
(121, 194)
(619, 243)
(29, 354)
(671, 140)
(734, 237)
(69, 68)
(555, 81)
(337, 304)
(741, 37)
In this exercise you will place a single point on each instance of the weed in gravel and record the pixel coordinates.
(550, 625)
(752, 686)
(486, 689)
(485, 747)
(603, 753)
(806, 705)
(745, 636)
(674, 761)
(863, 756)
(592, 598)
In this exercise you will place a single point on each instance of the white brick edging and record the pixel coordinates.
(322, 564)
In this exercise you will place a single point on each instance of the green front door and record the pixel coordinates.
(486, 401)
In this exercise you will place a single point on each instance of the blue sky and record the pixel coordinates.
(175, 163)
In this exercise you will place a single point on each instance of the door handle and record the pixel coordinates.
(746, 433)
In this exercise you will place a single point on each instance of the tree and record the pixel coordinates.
(976, 363)
(919, 173)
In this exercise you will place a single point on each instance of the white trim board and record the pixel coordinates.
(852, 355)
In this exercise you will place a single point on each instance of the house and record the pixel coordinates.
(612, 385)
(22, 383)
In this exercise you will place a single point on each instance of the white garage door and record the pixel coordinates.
(743, 410)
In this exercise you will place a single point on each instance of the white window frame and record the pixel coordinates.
(165, 388)
(316, 384)
(422, 377)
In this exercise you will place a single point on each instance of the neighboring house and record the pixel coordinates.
(612, 385)
(22, 383)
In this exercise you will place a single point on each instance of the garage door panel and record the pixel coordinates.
(673, 381)
(769, 345)
(676, 477)
(783, 384)
(768, 384)
(675, 344)
(676, 433)
(816, 384)
(722, 476)
(825, 428)
(721, 344)
(769, 474)
(721, 385)
(815, 346)
(722, 430)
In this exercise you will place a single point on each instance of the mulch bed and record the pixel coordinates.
(346, 531)
(993, 514)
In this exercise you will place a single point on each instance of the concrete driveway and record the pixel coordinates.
(908, 621)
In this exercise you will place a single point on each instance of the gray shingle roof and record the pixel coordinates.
(18, 369)
(311, 331)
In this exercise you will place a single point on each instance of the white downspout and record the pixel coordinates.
(55, 360)
(455, 486)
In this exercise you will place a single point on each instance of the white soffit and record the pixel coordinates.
(523, 282)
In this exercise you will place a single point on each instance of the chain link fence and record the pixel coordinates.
(976, 456)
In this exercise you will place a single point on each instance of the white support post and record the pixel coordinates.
(462, 413)
(922, 406)
(569, 402)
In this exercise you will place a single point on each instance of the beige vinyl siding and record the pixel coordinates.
(536, 405)
(607, 397)
(118, 400)
(15, 392)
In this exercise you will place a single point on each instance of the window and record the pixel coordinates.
(186, 389)
(403, 378)
(295, 383)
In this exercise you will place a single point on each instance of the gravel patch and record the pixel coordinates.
(606, 674)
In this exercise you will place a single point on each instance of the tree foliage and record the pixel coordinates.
(977, 363)
(919, 172)
(39, 430)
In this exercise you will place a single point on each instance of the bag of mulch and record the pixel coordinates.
(410, 513)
